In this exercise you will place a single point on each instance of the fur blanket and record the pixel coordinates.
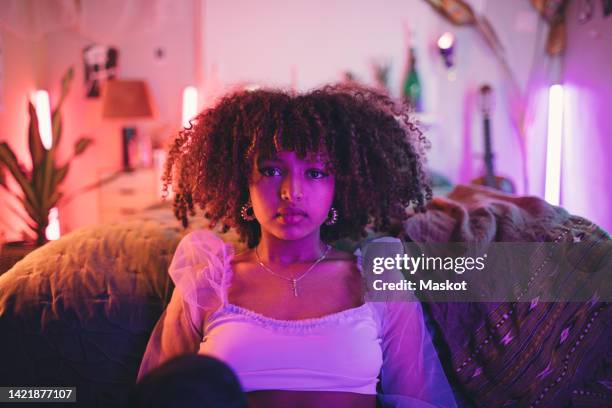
(520, 353)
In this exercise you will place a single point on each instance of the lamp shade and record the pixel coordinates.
(126, 99)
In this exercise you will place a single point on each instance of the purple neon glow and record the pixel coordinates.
(552, 191)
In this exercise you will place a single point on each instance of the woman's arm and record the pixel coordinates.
(178, 331)
(198, 272)
(411, 375)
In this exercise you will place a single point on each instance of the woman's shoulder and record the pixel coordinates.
(202, 250)
(201, 244)
(200, 267)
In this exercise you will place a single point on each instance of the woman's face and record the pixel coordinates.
(291, 197)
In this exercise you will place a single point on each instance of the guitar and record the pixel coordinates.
(490, 179)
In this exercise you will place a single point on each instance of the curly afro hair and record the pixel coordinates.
(375, 152)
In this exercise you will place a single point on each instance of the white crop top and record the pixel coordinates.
(346, 351)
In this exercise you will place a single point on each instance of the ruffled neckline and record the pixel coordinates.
(227, 306)
(299, 325)
(332, 317)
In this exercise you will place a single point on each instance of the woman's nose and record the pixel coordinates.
(292, 189)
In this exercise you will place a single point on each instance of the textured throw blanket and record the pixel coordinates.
(521, 353)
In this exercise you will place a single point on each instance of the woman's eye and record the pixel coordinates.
(317, 174)
(270, 171)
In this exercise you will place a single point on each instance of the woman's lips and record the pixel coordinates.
(291, 217)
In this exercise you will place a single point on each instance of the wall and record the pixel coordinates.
(305, 44)
(19, 80)
(587, 185)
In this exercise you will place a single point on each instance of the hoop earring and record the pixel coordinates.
(333, 218)
(244, 212)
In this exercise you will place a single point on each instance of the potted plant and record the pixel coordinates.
(40, 185)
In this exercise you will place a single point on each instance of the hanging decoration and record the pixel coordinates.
(553, 12)
(100, 64)
(457, 12)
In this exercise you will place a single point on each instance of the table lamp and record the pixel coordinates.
(126, 99)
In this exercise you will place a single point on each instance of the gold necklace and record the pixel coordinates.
(293, 281)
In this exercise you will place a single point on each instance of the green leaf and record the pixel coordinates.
(37, 151)
(36, 147)
(47, 179)
(59, 175)
(40, 190)
(56, 120)
(19, 212)
(65, 87)
(52, 201)
(56, 127)
(38, 177)
(81, 145)
(35, 213)
(66, 80)
(8, 158)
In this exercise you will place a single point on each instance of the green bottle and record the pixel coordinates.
(412, 85)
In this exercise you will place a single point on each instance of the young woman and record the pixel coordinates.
(290, 316)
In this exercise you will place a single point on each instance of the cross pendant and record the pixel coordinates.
(294, 282)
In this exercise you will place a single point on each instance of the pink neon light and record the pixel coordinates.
(190, 104)
(446, 41)
(43, 113)
(53, 229)
(552, 190)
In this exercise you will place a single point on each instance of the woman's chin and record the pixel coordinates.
(291, 232)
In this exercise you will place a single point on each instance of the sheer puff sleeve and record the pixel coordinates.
(411, 374)
(200, 272)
